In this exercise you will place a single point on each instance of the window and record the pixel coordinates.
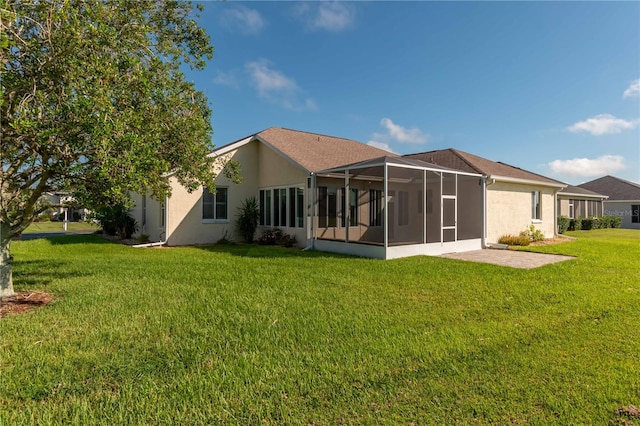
(535, 205)
(635, 213)
(287, 208)
(375, 207)
(214, 206)
(280, 207)
(162, 214)
(352, 201)
(571, 211)
(296, 207)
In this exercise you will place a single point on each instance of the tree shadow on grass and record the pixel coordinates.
(78, 239)
(40, 273)
(265, 251)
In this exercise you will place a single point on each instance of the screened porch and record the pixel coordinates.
(393, 207)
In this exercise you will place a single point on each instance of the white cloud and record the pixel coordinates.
(586, 167)
(276, 87)
(243, 19)
(633, 90)
(226, 79)
(330, 16)
(402, 134)
(380, 145)
(602, 124)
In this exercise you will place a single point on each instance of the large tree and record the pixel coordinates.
(94, 102)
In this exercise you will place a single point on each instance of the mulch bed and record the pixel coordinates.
(552, 241)
(24, 301)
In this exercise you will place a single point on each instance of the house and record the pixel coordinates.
(277, 166)
(340, 195)
(515, 198)
(329, 193)
(623, 199)
(574, 202)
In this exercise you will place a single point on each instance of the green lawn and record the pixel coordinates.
(38, 227)
(257, 335)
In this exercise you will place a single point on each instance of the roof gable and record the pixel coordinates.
(460, 160)
(615, 188)
(310, 151)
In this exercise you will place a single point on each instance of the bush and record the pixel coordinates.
(563, 224)
(575, 224)
(271, 237)
(514, 240)
(116, 220)
(615, 221)
(589, 223)
(533, 234)
(275, 236)
(248, 218)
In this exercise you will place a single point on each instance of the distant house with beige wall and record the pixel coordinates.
(574, 202)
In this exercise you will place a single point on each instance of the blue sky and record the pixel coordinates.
(551, 87)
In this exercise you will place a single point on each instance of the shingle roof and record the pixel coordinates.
(317, 152)
(576, 190)
(615, 188)
(460, 160)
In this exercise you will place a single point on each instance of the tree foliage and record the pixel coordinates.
(93, 101)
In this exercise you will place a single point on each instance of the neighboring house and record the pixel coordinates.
(329, 193)
(57, 211)
(623, 201)
(574, 201)
(515, 198)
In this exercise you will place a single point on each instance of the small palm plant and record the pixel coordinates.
(248, 217)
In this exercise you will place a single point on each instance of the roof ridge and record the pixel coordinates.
(462, 155)
(533, 173)
(623, 181)
(313, 133)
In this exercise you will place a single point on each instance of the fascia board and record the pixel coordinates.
(526, 181)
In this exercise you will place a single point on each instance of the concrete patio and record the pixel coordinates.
(510, 258)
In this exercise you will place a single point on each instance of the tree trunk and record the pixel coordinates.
(6, 280)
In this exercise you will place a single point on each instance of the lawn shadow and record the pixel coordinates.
(78, 239)
(40, 273)
(267, 251)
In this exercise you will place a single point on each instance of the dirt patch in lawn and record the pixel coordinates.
(24, 301)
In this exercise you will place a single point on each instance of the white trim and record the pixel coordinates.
(526, 181)
(570, 194)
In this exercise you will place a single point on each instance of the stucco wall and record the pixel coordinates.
(509, 210)
(149, 218)
(621, 209)
(261, 167)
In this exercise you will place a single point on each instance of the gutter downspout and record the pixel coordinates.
(312, 211)
(166, 227)
(486, 181)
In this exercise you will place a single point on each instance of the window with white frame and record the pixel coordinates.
(536, 211)
(215, 206)
(282, 207)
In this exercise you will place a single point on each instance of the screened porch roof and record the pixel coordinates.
(402, 162)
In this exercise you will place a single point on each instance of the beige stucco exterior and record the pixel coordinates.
(261, 168)
(509, 210)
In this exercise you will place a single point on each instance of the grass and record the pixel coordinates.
(250, 334)
(42, 227)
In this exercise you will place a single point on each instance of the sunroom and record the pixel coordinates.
(392, 207)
